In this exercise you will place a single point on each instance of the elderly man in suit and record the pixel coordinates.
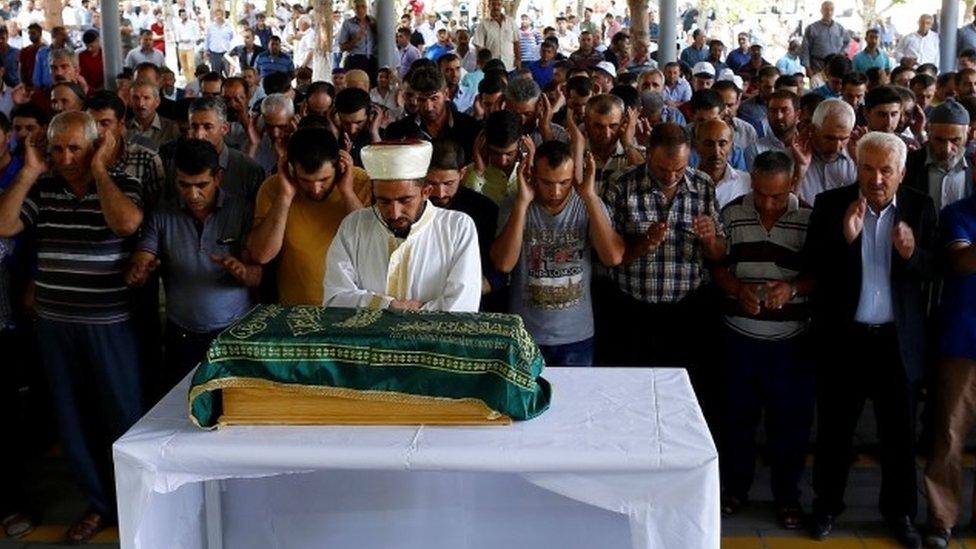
(870, 248)
(940, 169)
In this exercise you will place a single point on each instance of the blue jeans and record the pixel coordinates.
(579, 353)
(216, 61)
(93, 372)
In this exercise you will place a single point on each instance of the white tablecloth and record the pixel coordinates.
(622, 458)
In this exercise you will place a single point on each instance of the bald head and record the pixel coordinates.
(711, 128)
(713, 142)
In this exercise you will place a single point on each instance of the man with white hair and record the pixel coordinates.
(403, 252)
(305, 46)
(871, 250)
(921, 45)
(823, 162)
(83, 217)
(822, 39)
(278, 122)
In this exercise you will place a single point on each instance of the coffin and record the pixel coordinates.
(334, 366)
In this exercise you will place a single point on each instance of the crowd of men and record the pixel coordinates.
(799, 234)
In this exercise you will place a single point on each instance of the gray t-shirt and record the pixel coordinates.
(551, 281)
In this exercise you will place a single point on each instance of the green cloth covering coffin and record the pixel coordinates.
(486, 356)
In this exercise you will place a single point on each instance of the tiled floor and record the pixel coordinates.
(859, 527)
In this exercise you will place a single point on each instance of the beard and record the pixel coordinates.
(400, 227)
(950, 162)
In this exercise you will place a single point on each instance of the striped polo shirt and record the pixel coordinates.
(80, 261)
(757, 255)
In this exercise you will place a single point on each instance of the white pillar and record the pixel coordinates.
(667, 45)
(948, 26)
(111, 41)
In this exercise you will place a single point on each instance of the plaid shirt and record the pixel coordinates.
(146, 166)
(677, 266)
(615, 166)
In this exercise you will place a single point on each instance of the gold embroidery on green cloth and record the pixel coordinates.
(305, 320)
(489, 357)
(392, 397)
(362, 319)
(255, 322)
(467, 327)
(366, 356)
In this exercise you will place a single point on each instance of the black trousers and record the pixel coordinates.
(184, 350)
(865, 363)
(363, 62)
(636, 333)
(682, 334)
(777, 377)
(13, 496)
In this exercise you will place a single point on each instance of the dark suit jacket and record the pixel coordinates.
(464, 131)
(837, 267)
(916, 174)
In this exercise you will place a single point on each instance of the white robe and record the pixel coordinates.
(438, 264)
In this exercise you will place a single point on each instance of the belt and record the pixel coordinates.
(182, 333)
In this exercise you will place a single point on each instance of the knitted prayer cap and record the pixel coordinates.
(949, 112)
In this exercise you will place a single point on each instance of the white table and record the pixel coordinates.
(621, 459)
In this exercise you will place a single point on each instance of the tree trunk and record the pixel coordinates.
(322, 58)
(639, 22)
(169, 32)
(52, 13)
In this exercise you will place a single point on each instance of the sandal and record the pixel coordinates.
(790, 516)
(85, 529)
(17, 525)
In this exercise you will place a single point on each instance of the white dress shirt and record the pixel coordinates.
(187, 34)
(874, 305)
(925, 49)
(219, 37)
(734, 184)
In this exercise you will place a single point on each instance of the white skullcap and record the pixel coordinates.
(397, 161)
(727, 74)
(703, 67)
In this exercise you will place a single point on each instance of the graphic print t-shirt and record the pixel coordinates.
(551, 281)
